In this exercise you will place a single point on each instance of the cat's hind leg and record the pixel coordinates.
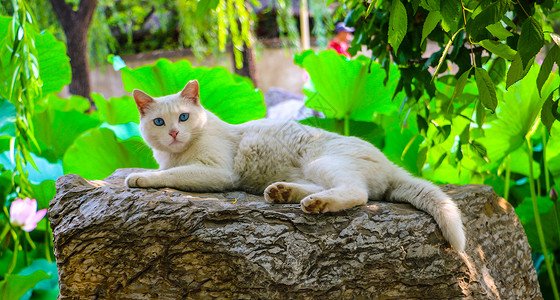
(288, 192)
(344, 182)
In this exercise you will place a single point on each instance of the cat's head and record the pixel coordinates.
(171, 122)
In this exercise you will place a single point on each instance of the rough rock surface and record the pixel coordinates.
(115, 242)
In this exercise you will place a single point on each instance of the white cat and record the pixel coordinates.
(289, 162)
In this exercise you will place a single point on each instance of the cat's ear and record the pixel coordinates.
(190, 92)
(143, 101)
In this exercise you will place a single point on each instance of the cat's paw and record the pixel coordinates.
(278, 193)
(137, 180)
(314, 205)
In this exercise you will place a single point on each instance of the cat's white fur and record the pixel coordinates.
(289, 162)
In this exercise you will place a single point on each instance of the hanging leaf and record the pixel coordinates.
(480, 114)
(552, 57)
(461, 82)
(451, 13)
(501, 50)
(490, 15)
(547, 117)
(498, 30)
(398, 22)
(516, 71)
(530, 41)
(497, 70)
(430, 23)
(486, 89)
(430, 5)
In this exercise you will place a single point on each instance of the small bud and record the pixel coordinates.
(553, 195)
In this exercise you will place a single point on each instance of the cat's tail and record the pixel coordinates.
(426, 196)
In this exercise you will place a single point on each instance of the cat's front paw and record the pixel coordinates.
(278, 193)
(137, 180)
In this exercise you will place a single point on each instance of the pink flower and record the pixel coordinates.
(24, 214)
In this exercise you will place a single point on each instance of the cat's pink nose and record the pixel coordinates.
(173, 133)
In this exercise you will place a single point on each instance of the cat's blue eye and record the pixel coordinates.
(183, 117)
(159, 122)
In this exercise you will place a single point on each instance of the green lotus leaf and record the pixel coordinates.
(368, 131)
(342, 87)
(98, 152)
(59, 123)
(116, 110)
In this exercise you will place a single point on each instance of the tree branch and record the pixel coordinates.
(85, 11)
(63, 12)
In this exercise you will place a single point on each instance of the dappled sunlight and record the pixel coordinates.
(98, 183)
(372, 207)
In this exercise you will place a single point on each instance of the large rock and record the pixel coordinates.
(115, 242)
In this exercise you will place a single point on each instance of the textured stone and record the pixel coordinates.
(115, 242)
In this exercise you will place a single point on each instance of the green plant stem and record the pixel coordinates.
(508, 177)
(48, 241)
(546, 175)
(25, 249)
(346, 125)
(4, 232)
(13, 262)
(555, 210)
(538, 191)
(539, 224)
(29, 241)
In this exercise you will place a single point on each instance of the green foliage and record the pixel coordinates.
(514, 31)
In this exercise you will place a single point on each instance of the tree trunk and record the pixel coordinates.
(75, 25)
(114, 242)
(249, 68)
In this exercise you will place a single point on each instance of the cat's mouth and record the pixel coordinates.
(175, 142)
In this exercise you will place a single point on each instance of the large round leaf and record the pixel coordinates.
(341, 87)
(59, 123)
(234, 101)
(367, 131)
(54, 65)
(116, 110)
(97, 153)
